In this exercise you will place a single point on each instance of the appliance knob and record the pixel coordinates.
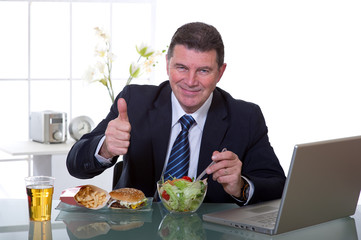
(57, 135)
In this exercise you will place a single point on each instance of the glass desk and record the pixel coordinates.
(153, 224)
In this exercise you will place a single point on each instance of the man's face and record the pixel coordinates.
(193, 76)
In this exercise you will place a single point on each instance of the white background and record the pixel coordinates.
(299, 60)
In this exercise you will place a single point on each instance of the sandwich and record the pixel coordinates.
(89, 230)
(125, 226)
(128, 198)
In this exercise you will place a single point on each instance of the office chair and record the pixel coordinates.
(117, 172)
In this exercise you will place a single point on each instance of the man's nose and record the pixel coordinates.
(191, 78)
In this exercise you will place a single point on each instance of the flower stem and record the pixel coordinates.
(109, 80)
(130, 76)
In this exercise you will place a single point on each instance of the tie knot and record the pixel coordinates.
(186, 121)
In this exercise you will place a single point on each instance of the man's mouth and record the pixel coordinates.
(190, 91)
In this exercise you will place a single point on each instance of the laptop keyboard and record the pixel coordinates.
(267, 219)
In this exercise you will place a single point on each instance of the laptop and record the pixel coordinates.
(340, 229)
(323, 184)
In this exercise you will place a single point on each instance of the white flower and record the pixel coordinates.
(89, 75)
(151, 61)
(112, 57)
(101, 33)
(100, 66)
(100, 52)
(134, 70)
(101, 70)
(144, 50)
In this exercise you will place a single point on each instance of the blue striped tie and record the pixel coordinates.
(178, 162)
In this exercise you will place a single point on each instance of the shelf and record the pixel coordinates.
(35, 148)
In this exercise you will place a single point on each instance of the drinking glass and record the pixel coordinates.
(40, 230)
(40, 195)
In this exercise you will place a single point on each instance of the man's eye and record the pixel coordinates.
(180, 68)
(204, 71)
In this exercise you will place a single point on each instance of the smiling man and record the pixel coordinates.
(193, 76)
(179, 127)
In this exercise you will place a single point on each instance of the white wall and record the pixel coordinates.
(299, 60)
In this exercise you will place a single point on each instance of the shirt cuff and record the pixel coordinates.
(102, 160)
(250, 192)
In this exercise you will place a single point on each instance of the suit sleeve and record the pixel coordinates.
(260, 163)
(81, 162)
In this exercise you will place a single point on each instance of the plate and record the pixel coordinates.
(75, 208)
(110, 217)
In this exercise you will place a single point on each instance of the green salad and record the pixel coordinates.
(185, 226)
(182, 195)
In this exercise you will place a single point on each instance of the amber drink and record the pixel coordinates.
(40, 230)
(40, 194)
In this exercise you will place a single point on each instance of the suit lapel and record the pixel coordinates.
(214, 131)
(160, 118)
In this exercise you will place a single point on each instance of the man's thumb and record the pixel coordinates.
(122, 109)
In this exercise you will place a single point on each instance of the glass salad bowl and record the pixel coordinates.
(182, 195)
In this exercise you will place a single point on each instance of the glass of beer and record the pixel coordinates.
(40, 195)
(40, 231)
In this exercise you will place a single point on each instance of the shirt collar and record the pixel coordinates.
(199, 116)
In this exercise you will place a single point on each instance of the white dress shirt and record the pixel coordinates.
(194, 135)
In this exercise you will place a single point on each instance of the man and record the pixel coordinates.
(144, 122)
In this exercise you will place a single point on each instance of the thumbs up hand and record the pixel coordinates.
(122, 109)
(117, 134)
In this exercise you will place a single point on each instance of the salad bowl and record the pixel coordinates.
(181, 226)
(182, 195)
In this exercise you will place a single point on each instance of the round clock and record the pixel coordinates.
(79, 126)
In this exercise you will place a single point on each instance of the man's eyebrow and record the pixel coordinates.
(179, 65)
(198, 68)
(206, 67)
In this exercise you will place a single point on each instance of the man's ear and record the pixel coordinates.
(221, 71)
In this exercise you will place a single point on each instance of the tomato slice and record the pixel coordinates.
(165, 195)
(187, 178)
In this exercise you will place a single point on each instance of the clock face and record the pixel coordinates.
(80, 126)
(84, 127)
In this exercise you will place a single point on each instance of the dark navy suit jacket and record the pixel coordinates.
(234, 124)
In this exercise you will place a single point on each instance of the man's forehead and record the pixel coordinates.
(187, 47)
(181, 51)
